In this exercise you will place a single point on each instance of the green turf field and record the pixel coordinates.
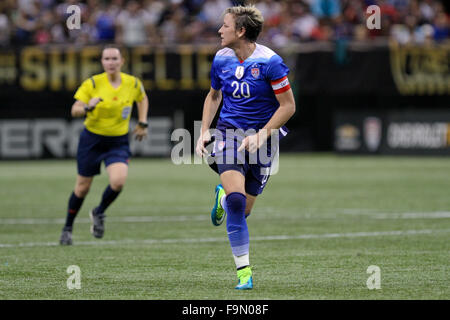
(321, 222)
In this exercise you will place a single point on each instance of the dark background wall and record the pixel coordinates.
(40, 82)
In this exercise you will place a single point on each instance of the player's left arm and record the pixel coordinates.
(284, 112)
(140, 131)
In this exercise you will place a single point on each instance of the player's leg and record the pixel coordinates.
(88, 165)
(82, 186)
(116, 163)
(218, 213)
(233, 182)
(237, 224)
(117, 173)
(249, 204)
(255, 181)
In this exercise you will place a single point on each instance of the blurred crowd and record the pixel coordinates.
(132, 22)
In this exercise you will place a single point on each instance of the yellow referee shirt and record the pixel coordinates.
(111, 117)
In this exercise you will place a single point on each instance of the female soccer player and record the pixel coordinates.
(256, 95)
(106, 100)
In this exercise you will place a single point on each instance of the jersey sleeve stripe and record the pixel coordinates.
(93, 82)
(281, 85)
(274, 82)
(284, 89)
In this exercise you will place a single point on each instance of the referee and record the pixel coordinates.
(106, 100)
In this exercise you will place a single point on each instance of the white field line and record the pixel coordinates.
(221, 239)
(204, 217)
(109, 219)
(413, 215)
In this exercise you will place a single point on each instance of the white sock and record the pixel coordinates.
(242, 261)
(222, 201)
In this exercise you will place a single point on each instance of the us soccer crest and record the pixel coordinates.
(239, 72)
(255, 73)
(372, 133)
(218, 146)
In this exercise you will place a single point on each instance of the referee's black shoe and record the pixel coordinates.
(66, 237)
(98, 223)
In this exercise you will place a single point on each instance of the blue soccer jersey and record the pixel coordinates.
(249, 87)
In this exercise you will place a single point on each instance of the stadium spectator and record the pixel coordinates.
(43, 33)
(138, 22)
(271, 11)
(132, 25)
(427, 10)
(4, 28)
(304, 22)
(155, 9)
(172, 25)
(26, 21)
(211, 11)
(441, 27)
(105, 23)
(326, 8)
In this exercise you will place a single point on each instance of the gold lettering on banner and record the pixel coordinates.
(421, 70)
(448, 134)
(34, 70)
(162, 82)
(7, 67)
(141, 67)
(203, 67)
(63, 69)
(90, 62)
(187, 78)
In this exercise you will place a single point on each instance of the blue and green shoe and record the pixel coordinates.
(245, 279)
(218, 213)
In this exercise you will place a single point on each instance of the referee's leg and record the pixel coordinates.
(82, 186)
(117, 172)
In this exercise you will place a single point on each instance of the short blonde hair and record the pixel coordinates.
(248, 17)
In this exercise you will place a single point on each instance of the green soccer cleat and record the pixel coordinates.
(218, 213)
(245, 279)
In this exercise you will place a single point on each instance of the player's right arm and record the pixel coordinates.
(210, 107)
(79, 108)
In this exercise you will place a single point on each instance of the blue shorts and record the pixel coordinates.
(94, 148)
(254, 167)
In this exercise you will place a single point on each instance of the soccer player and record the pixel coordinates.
(252, 79)
(106, 100)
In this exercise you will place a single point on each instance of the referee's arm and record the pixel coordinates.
(140, 131)
(79, 108)
(142, 107)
